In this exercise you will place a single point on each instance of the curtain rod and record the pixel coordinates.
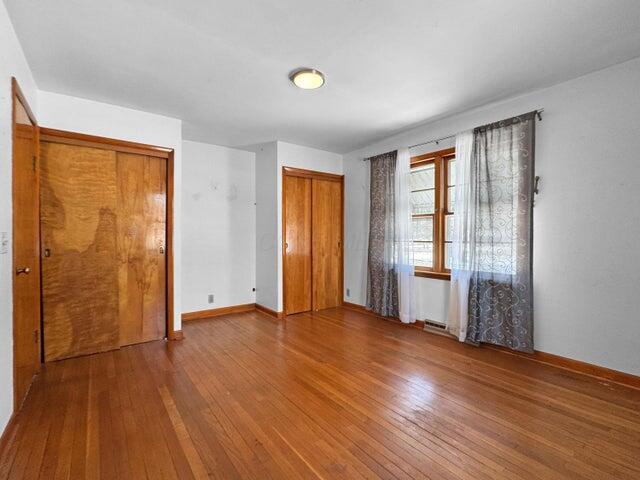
(538, 113)
(438, 140)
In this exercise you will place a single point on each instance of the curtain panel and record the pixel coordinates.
(492, 251)
(382, 278)
(404, 259)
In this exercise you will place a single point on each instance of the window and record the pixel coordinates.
(432, 203)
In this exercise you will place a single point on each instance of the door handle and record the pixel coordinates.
(25, 270)
(161, 250)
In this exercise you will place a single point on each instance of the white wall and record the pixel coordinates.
(218, 226)
(266, 225)
(586, 222)
(94, 118)
(12, 64)
(297, 156)
(270, 158)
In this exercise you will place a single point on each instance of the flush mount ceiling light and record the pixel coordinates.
(307, 78)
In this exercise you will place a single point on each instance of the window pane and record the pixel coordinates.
(423, 254)
(423, 202)
(447, 256)
(451, 172)
(423, 177)
(448, 228)
(451, 198)
(423, 229)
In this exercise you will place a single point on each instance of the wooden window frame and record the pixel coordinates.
(440, 159)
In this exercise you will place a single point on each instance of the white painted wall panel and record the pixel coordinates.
(218, 226)
(586, 225)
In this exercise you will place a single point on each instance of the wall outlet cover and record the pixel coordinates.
(211, 298)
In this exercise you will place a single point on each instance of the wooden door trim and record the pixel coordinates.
(300, 172)
(172, 333)
(124, 146)
(84, 140)
(18, 96)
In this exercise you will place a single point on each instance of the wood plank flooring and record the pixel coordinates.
(335, 394)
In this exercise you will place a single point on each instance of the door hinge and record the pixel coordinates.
(35, 336)
(34, 159)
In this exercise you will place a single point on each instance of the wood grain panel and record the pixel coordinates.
(26, 248)
(296, 214)
(141, 247)
(327, 244)
(78, 226)
(333, 394)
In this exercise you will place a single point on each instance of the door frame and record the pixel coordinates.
(311, 174)
(18, 96)
(83, 140)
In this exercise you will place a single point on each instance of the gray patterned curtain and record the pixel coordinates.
(382, 283)
(501, 200)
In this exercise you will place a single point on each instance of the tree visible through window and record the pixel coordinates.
(432, 203)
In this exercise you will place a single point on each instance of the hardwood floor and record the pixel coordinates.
(335, 394)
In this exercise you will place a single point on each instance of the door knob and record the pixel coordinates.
(25, 270)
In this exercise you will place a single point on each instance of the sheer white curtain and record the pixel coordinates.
(403, 238)
(462, 250)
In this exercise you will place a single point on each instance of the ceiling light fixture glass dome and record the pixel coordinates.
(307, 78)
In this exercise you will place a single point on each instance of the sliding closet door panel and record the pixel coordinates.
(296, 192)
(141, 247)
(327, 244)
(78, 235)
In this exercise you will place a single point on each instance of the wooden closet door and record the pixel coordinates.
(327, 244)
(79, 264)
(26, 256)
(296, 215)
(142, 225)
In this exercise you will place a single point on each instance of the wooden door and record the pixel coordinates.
(327, 243)
(26, 248)
(141, 247)
(79, 264)
(296, 193)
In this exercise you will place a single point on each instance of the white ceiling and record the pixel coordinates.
(222, 66)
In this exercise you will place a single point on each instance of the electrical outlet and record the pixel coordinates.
(211, 298)
(348, 292)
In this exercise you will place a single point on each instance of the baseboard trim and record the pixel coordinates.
(268, 311)
(557, 361)
(578, 366)
(215, 312)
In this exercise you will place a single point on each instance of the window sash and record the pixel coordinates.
(440, 160)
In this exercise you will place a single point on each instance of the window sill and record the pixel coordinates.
(435, 275)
